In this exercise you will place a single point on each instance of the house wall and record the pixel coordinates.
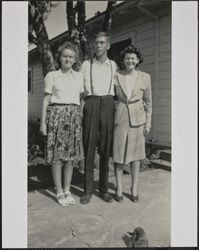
(35, 96)
(142, 33)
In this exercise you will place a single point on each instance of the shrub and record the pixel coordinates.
(36, 141)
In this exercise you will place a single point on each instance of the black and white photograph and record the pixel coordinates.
(100, 94)
(99, 125)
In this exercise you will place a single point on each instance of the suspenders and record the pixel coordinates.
(91, 76)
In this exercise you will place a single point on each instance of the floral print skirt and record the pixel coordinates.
(64, 134)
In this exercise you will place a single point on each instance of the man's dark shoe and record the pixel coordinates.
(85, 198)
(106, 197)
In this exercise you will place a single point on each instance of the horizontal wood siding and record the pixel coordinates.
(35, 98)
(161, 91)
(164, 84)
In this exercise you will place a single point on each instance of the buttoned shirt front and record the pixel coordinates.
(64, 88)
(102, 77)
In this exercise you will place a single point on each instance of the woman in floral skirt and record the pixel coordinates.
(60, 121)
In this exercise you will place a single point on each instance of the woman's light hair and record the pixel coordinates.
(72, 46)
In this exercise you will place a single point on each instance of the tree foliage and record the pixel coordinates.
(37, 34)
(45, 7)
(75, 15)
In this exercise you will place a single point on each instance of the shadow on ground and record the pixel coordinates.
(99, 224)
(39, 177)
(126, 239)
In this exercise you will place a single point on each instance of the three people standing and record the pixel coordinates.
(121, 129)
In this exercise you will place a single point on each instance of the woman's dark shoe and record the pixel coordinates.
(118, 198)
(134, 198)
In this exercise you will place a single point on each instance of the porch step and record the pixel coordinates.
(165, 155)
(159, 163)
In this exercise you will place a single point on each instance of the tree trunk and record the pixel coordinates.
(44, 47)
(72, 27)
(82, 30)
(108, 16)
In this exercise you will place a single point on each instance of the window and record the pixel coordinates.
(115, 50)
(30, 89)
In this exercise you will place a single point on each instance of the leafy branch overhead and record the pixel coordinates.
(76, 19)
(76, 26)
(38, 11)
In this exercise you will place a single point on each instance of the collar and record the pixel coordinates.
(107, 61)
(71, 71)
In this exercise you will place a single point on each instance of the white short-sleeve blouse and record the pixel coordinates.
(64, 87)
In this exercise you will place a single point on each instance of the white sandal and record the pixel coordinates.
(61, 199)
(69, 199)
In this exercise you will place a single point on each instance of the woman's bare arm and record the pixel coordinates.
(43, 127)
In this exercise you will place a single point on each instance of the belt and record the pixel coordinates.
(100, 96)
(133, 101)
(127, 103)
(62, 104)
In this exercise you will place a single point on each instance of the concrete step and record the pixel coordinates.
(165, 154)
(159, 163)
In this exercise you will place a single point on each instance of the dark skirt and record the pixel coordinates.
(64, 134)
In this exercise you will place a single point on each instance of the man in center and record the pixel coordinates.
(98, 116)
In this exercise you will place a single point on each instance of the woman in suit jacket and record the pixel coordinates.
(132, 119)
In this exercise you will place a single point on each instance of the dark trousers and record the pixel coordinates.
(98, 118)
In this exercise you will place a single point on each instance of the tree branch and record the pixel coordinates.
(32, 39)
(36, 24)
(82, 30)
(72, 26)
(108, 16)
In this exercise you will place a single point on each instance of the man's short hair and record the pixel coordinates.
(102, 34)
